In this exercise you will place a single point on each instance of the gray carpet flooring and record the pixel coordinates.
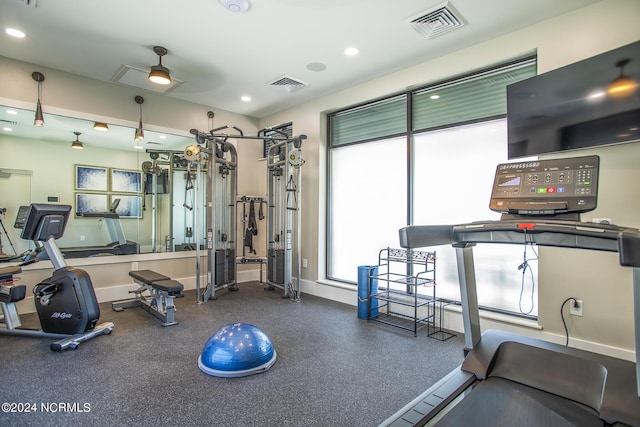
(332, 369)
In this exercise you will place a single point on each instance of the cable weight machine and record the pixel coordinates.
(284, 160)
(220, 159)
(283, 211)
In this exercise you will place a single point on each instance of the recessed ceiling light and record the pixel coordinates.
(13, 32)
(162, 136)
(7, 129)
(12, 112)
(351, 51)
(245, 98)
(434, 97)
(235, 5)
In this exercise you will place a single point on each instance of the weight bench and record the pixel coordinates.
(162, 291)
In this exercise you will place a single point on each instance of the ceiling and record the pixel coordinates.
(218, 55)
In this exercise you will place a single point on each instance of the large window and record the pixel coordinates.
(427, 156)
(368, 203)
(454, 169)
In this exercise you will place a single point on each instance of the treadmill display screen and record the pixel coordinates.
(21, 218)
(546, 187)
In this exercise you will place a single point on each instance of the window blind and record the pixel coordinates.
(372, 121)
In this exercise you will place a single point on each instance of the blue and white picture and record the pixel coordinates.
(91, 178)
(129, 206)
(91, 203)
(126, 181)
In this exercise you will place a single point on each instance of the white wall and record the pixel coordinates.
(605, 288)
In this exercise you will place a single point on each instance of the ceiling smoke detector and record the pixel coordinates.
(237, 6)
(437, 21)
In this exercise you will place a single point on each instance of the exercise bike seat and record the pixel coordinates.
(9, 271)
(10, 292)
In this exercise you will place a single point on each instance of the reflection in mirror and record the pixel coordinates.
(39, 165)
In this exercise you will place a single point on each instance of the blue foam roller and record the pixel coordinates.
(237, 350)
(363, 291)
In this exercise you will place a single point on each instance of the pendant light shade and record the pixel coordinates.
(39, 119)
(139, 136)
(77, 144)
(160, 74)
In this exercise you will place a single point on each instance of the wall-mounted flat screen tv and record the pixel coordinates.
(589, 103)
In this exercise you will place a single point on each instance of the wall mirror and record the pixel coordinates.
(151, 187)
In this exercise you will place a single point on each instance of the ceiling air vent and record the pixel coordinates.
(288, 83)
(9, 122)
(437, 21)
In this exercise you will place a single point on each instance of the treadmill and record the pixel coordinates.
(119, 245)
(508, 379)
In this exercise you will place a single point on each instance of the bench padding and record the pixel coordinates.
(170, 286)
(147, 276)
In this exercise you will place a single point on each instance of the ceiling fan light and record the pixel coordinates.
(103, 127)
(160, 75)
(622, 86)
(77, 144)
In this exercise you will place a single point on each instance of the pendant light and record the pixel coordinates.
(77, 144)
(102, 127)
(160, 74)
(39, 119)
(139, 136)
(622, 85)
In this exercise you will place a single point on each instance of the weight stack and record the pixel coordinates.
(275, 270)
(225, 266)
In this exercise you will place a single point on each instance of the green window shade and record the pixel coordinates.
(372, 121)
(477, 97)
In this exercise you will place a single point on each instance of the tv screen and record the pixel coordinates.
(581, 105)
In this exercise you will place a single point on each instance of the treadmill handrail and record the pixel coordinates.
(566, 234)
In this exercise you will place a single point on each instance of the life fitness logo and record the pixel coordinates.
(61, 316)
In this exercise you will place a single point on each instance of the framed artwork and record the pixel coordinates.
(129, 206)
(90, 203)
(91, 178)
(126, 181)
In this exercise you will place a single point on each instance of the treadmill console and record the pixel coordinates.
(546, 187)
(21, 217)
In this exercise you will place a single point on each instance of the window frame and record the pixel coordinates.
(409, 134)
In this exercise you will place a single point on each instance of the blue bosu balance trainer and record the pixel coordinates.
(237, 350)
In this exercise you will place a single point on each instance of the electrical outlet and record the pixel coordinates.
(304, 263)
(134, 266)
(576, 307)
